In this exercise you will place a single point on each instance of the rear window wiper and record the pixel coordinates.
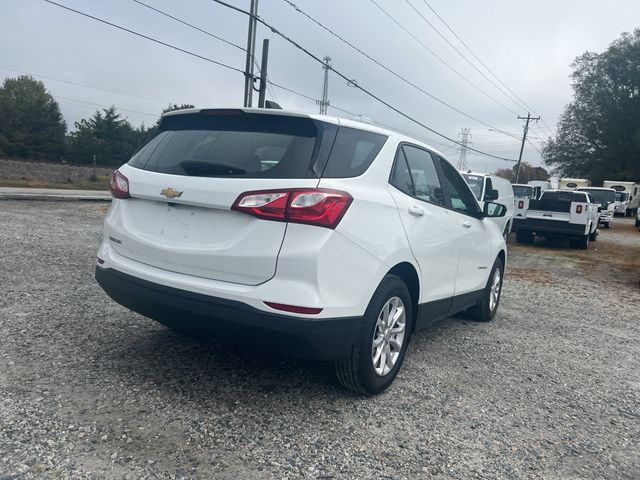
(198, 168)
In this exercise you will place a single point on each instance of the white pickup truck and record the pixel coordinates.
(558, 214)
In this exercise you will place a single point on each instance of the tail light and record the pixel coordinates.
(314, 206)
(578, 208)
(521, 204)
(119, 185)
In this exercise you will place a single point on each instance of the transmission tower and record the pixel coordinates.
(465, 140)
(324, 102)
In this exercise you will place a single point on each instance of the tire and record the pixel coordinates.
(607, 225)
(486, 309)
(522, 236)
(581, 243)
(637, 223)
(593, 236)
(358, 372)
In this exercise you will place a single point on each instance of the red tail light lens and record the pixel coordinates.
(119, 185)
(578, 208)
(521, 204)
(315, 206)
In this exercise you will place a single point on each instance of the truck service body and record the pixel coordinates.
(633, 194)
(558, 214)
(606, 197)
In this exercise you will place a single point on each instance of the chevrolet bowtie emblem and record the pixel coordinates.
(170, 193)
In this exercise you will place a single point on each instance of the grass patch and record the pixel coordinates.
(100, 183)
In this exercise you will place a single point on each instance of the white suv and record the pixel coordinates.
(303, 234)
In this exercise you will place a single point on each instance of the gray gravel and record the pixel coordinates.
(549, 389)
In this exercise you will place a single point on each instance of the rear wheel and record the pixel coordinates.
(522, 236)
(488, 306)
(594, 236)
(607, 225)
(378, 352)
(581, 243)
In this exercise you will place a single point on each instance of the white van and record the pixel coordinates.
(491, 188)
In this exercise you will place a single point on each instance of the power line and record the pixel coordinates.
(104, 106)
(426, 20)
(86, 85)
(353, 82)
(392, 72)
(190, 25)
(441, 59)
(483, 64)
(210, 60)
(308, 97)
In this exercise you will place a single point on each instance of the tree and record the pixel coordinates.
(598, 133)
(527, 173)
(106, 135)
(31, 125)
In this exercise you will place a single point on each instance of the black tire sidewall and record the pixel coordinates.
(390, 287)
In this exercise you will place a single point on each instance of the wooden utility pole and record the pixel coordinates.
(263, 72)
(528, 118)
(251, 48)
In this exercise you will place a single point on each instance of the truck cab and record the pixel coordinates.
(606, 198)
(491, 188)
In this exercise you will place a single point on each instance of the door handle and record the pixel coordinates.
(416, 211)
(466, 224)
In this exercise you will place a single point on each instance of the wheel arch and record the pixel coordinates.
(502, 255)
(409, 275)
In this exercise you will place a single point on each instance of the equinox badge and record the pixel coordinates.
(170, 193)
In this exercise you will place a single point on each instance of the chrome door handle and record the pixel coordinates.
(466, 224)
(416, 211)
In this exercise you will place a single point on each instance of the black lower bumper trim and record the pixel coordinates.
(231, 321)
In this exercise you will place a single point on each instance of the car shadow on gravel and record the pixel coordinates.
(203, 367)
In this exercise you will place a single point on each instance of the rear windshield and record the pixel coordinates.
(601, 196)
(249, 145)
(475, 182)
(523, 191)
(564, 196)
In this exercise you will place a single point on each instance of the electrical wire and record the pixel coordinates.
(380, 64)
(443, 61)
(523, 103)
(201, 57)
(354, 82)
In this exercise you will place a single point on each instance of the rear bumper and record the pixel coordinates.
(233, 321)
(549, 227)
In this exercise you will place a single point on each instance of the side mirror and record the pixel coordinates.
(494, 210)
(491, 195)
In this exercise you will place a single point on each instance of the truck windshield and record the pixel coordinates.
(523, 191)
(564, 196)
(621, 196)
(601, 196)
(476, 183)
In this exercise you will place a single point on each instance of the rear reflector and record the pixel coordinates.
(521, 204)
(119, 185)
(578, 208)
(293, 308)
(314, 206)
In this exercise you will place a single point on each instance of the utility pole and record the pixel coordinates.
(263, 72)
(465, 140)
(528, 118)
(251, 48)
(324, 101)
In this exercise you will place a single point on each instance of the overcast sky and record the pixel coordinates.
(529, 45)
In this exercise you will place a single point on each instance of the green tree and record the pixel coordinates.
(527, 173)
(31, 125)
(598, 133)
(106, 135)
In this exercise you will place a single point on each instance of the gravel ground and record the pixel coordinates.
(550, 388)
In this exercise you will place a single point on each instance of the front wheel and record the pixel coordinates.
(486, 309)
(378, 352)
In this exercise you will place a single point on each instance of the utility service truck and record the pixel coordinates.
(632, 190)
(606, 197)
(559, 214)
